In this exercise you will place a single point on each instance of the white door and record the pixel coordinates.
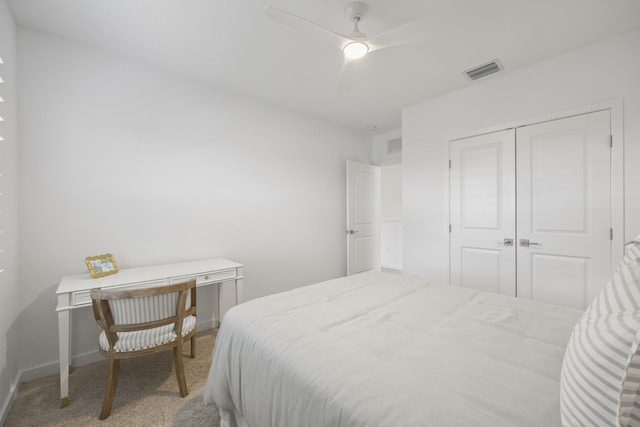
(482, 201)
(363, 184)
(564, 222)
(547, 186)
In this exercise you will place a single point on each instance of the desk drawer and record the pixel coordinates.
(216, 276)
(84, 297)
(81, 298)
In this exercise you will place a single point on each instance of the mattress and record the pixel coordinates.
(381, 349)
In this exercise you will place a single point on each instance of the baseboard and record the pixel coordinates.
(209, 324)
(391, 268)
(54, 368)
(43, 371)
(391, 265)
(87, 358)
(6, 406)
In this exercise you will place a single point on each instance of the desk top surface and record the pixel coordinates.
(81, 282)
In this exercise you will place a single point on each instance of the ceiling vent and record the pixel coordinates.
(483, 70)
(394, 146)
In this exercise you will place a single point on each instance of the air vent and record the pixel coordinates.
(483, 70)
(394, 146)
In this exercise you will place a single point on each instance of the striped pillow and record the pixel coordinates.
(600, 380)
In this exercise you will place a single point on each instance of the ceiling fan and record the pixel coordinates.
(356, 44)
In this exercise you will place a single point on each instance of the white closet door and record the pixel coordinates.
(482, 180)
(563, 201)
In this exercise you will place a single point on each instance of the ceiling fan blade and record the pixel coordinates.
(307, 26)
(427, 28)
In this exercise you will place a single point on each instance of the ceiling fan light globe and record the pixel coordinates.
(355, 50)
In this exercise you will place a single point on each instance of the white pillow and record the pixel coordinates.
(600, 380)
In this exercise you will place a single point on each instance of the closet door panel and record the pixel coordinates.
(563, 209)
(482, 269)
(557, 279)
(482, 191)
(557, 176)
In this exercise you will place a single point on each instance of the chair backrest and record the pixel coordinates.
(135, 309)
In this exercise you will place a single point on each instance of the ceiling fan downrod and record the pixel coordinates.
(355, 11)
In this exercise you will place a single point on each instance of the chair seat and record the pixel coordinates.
(139, 340)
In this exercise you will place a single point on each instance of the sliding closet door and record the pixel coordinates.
(482, 192)
(563, 199)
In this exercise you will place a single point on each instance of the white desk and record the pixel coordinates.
(74, 292)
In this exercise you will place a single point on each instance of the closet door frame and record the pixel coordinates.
(615, 108)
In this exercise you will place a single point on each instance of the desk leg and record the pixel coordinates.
(238, 296)
(238, 291)
(219, 305)
(64, 329)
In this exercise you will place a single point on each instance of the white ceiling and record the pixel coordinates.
(233, 45)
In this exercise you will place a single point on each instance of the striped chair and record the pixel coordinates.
(139, 321)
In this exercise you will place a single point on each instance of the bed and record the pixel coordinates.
(381, 349)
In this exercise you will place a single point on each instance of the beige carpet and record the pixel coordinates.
(147, 394)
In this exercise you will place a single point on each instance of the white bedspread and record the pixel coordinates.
(379, 349)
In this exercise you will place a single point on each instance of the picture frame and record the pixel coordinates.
(101, 265)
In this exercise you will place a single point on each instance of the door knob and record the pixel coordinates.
(352, 231)
(506, 242)
(525, 243)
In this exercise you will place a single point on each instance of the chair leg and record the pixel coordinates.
(112, 383)
(179, 367)
(193, 346)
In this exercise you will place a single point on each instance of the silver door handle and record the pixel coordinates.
(506, 242)
(352, 231)
(525, 243)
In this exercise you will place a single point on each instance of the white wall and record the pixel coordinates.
(390, 199)
(391, 191)
(120, 158)
(379, 148)
(9, 324)
(594, 74)
(391, 216)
